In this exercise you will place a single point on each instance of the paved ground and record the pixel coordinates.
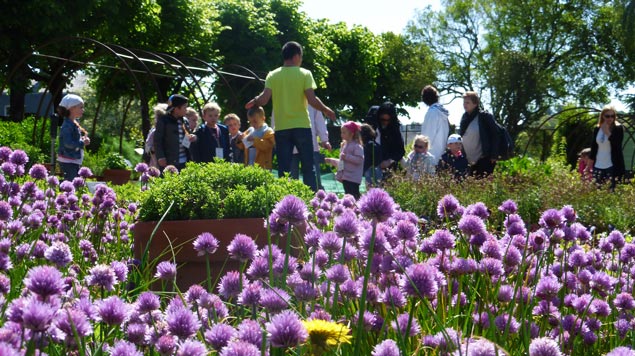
(330, 184)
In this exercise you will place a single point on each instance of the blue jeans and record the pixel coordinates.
(295, 167)
(303, 141)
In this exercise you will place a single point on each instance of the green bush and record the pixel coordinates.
(534, 186)
(21, 135)
(116, 161)
(217, 190)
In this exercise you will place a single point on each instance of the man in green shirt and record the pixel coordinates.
(291, 88)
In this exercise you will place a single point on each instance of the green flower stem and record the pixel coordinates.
(208, 270)
(287, 251)
(362, 301)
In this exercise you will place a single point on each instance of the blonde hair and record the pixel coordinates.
(256, 110)
(160, 109)
(190, 111)
(211, 106)
(421, 139)
(604, 111)
(231, 116)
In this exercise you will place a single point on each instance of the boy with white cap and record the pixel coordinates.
(453, 160)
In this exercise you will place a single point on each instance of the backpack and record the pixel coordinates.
(505, 148)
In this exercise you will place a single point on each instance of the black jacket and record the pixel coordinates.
(617, 155)
(487, 129)
(166, 139)
(204, 148)
(453, 164)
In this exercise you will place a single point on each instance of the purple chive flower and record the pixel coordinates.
(400, 325)
(420, 280)
(166, 271)
(19, 158)
(274, 300)
(472, 225)
(191, 348)
(505, 293)
(85, 172)
(154, 172)
(141, 167)
(249, 331)
(148, 302)
(71, 322)
(250, 295)
(478, 209)
(166, 344)
(276, 225)
(443, 240)
(112, 310)
(38, 172)
(508, 207)
(346, 224)
(44, 281)
(229, 285)
(616, 238)
(448, 206)
(568, 213)
(59, 253)
(544, 346)
(205, 244)
(508, 323)
(491, 266)
(5, 284)
(136, 332)
(286, 330)
(37, 316)
(182, 323)
(5, 153)
(386, 348)
(124, 348)
(338, 274)
(120, 269)
(239, 348)
(259, 268)
(102, 276)
(291, 209)
(220, 335)
(551, 219)
(6, 211)
(376, 205)
(624, 301)
(393, 297)
(304, 292)
(330, 242)
(242, 248)
(621, 351)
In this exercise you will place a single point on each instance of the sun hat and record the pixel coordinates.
(70, 100)
(454, 138)
(352, 126)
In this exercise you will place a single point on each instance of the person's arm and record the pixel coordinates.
(259, 100)
(71, 142)
(159, 150)
(356, 157)
(321, 131)
(317, 103)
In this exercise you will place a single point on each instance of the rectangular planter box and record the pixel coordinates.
(191, 268)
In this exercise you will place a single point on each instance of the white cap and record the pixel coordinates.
(70, 100)
(454, 138)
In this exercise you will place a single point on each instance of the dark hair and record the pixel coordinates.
(63, 112)
(367, 133)
(429, 95)
(390, 109)
(290, 49)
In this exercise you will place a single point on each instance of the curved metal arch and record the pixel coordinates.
(217, 72)
(192, 76)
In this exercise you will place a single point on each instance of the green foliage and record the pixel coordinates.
(19, 135)
(116, 161)
(217, 190)
(533, 185)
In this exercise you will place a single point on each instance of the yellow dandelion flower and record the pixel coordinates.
(324, 335)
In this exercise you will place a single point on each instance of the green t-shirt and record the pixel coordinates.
(287, 86)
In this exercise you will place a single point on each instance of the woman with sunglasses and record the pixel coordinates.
(606, 149)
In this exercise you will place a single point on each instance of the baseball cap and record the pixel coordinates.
(454, 138)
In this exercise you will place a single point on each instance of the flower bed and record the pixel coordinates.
(367, 281)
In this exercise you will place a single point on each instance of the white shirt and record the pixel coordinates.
(603, 158)
(318, 128)
(437, 128)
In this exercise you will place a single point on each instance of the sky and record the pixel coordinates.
(380, 16)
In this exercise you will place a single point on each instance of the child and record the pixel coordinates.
(453, 160)
(350, 165)
(212, 139)
(192, 119)
(236, 154)
(419, 161)
(585, 165)
(372, 156)
(258, 140)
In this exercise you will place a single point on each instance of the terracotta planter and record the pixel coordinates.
(181, 235)
(117, 176)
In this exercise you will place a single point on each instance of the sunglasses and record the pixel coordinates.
(420, 147)
(610, 116)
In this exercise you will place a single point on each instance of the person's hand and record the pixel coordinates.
(329, 113)
(326, 145)
(250, 138)
(250, 104)
(605, 129)
(162, 162)
(86, 140)
(331, 161)
(192, 138)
